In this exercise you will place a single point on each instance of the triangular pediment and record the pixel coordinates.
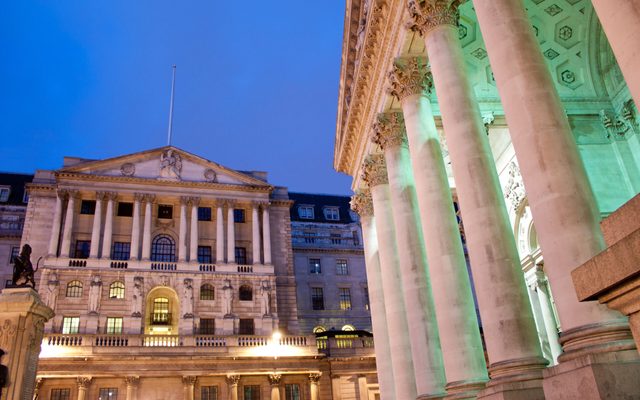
(165, 163)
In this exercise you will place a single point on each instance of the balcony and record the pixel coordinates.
(159, 318)
(324, 242)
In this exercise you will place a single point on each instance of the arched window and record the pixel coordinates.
(116, 290)
(163, 249)
(348, 328)
(161, 315)
(74, 289)
(246, 292)
(207, 292)
(319, 329)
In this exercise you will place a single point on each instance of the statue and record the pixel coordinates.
(95, 293)
(52, 291)
(227, 296)
(265, 297)
(170, 164)
(187, 299)
(23, 271)
(137, 296)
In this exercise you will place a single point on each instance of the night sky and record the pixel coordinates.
(256, 85)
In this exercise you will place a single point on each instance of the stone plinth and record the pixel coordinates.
(22, 318)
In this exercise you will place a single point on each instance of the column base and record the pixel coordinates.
(438, 396)
(596, 338)
(462, 390)
(519, 379)
(613, 375)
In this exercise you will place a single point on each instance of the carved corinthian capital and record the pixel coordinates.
(389, 130)
(362, 203)
(375, 170)
(428, 14)
(409, 76)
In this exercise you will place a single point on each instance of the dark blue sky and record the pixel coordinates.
(256, 83)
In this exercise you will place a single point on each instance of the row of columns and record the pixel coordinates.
(411, 232)
(190, 204)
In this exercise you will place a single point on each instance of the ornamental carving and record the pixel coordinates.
(83, 381)
(210, 175)
(362, 203)
(132, 380)
(375, 170)
(233, 380)
(170, 164)
(409, 76)
(514, 189)
(128, 169)
(426, 15)
(315, 377)
(274, 379)
(7, 332)
(621, 124)
(389, 130)
(189, 380)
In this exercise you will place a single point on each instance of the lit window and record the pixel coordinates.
(204, 213)
(319, 329)
(88, 207)
(238, 215)
(108, 394)
(4, 194)
(163, 248)
(165, 211)
(292, 392)
(345, 299)
(60, 394)
(207, 326)
(70, 325)
(246, 293)
(114, 326)
(246, 327)
(161, 315)
(331, 213)
(82, 249)
(74, 289)
(15, 251)
(348, 328)
(341, 267)
(207, 292)
(314, 266)
(116, 290)
(305, 212)
(208, 393)
(121, 251)
(317, 298)
(204, 254)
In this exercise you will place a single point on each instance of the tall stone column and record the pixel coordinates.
(232, 384)
(219, 233)
(621, 23)
(266, 234)
(231, 234)
(182, 233)
(464, 362)
(274, 381)
(132, 387)
(107, 236)
(362, 203)
(193, 235)
(189, 384)
(135, 227)
(562, 203)
(65, 248)
(94, 250)
(314, 382)
(83, 385)
(510, 333)
(255, 233)
(375, 174)
(146, 233)
(390, 135)
(55, 227)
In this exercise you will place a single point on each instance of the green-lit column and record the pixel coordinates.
(462, 351)
(390, 135)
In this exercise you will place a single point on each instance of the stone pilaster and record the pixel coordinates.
(274, 382)
(231, 233)
(65, 248)
(107, 236)
(255, 233)
(219, 232)
(314, 382)
(132, 383)
(83, 385)
(97, 226)
(149, 199)
(232, 383)
(266, 234)
(61, 195)
(182, 233)
(135, 227)
(189, 384)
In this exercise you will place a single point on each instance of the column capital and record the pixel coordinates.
(72, 193)
(314, 377)
(113, 196)
(375, 170)
(101, 195)
(149, 198)
(233, 380)
(83, 381)
(184, 200)
(425, 15)
(62, 193)
(194, 201)
(131, 380)
(389, 130)
(409, 76)
(138, 197)
(274, 379)
(362, 203)
(189, 380)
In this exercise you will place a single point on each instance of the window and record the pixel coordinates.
(292, 392)
(160, 315)
(165, 211)
(208, 393)
(246, 293)
(241, 255)
(204, 255)
(74, 289)
(314, 266)
(305, 212)
(207, 326)
(341, 267)
(319, 329)
(121, 251)
(82, 249)
(345, 299)
(331, 213)
(317, 298)
(204, 213)
(88, 207)
(366, 298)
(70, 325)
(108, 394)
(60, 394)
(336, 238)
(246, 327)
(114, 326)
(163, 248)
(125, 209)
(238, 215)
(4, 194)
(25, 196)
(251, 392)
(356, 238)
(15, 252)
(116, 290)
(207, 292)
(348, 328)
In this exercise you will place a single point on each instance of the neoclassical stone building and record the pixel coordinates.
(172, 277)
(524, 113)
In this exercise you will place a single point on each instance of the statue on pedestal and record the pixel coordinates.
(23, 271)
(227, 296)
(187, 299)
(95, 293)
(265, 297)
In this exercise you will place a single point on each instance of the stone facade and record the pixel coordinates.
(13, 210)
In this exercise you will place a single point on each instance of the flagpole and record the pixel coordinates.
(173, 86)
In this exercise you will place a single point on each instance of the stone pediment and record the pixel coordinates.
(166, 163)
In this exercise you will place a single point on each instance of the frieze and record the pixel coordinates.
(409, 76)
(389, 130)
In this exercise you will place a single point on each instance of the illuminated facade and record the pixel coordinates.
(480, 99)
(172, 277)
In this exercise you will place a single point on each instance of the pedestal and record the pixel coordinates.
(22, 318)
(227, 325)
(91, 326)
(267, 325)
(186, 326)
(132, 325)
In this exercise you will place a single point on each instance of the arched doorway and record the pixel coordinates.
(163, 309)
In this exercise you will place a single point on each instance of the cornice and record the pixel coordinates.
(281, 203)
